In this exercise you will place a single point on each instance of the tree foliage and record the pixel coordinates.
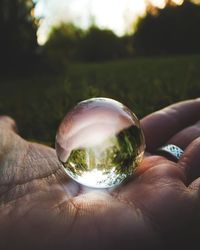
(67, 42)
(100, 45)
(174, 29)
(62, 44)
(171, 30)
(18, 29)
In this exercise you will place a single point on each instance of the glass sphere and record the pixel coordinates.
(100, 143)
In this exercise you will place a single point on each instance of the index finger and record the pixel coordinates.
(161, 125)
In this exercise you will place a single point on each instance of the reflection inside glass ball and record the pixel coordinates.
(100, 143)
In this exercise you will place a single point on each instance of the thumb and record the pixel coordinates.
(7, 122)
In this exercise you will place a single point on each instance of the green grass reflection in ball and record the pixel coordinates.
(100, 143)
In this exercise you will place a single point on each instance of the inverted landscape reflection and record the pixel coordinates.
(100, 143)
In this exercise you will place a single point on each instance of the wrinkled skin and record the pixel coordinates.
(42, 208)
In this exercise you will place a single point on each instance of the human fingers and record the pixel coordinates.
(183, 138)
(26, 166)
(190, 161)
(8, 123)
(160, 126)
(8, 129)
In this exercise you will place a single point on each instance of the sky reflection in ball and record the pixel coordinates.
(100, 143)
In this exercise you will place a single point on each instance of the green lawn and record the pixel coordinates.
(38, 102)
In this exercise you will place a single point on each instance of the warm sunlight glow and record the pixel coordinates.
(161, 3)
(178, 2)
(117, 15)
(158, 3)
(196, 1)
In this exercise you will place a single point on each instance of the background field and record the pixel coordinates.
(38, 102)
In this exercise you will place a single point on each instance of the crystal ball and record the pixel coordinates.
(100, 143)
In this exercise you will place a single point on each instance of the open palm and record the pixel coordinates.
(42, 208)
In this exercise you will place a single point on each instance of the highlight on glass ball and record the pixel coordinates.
(100, 143)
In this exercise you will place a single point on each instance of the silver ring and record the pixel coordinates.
(171, 150)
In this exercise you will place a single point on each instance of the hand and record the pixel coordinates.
(42, 208)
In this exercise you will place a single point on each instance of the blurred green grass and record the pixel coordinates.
(38, 102)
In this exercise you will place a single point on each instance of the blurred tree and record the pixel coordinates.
(174, 29)
(62, 44)
(18, 27)
(67, 42)
(100, 45)
(126, 46)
